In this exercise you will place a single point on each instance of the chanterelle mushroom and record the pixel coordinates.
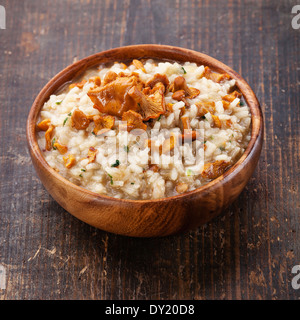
(204, 108)
(69, 161)
(179, 95)
(96, 80)
(186, 124)
(138, 64)
(152, 106)
(103, 123)
(60, 147)
(79, 120)
(44, 125)
(158, 78)
(134, 120)
(213, 170)
(188, 134)
(214, 76)
(168, 145)
(231, 96)
(180, 84)
(92, 153)
(48, 137)
(113, 98)
(109, 77)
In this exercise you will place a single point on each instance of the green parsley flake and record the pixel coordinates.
(159, 118)
(83, 170)
(59, 102)
(111, 179)
(190, 172)
(116, 164)
(126, 148)
(53, 141)
(183, 70)
(65, 120)
(222, 148)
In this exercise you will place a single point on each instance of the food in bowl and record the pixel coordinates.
(145, 129)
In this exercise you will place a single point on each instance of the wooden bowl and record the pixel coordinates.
(147, 218)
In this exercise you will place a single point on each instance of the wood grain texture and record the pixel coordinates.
(247, 253)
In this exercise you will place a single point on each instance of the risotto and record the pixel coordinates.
(144, 129)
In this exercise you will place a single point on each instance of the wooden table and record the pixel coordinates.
(246, 253)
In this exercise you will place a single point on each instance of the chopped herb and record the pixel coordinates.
(126, 148)
(204, 141)
(69, 114)
(159, 118)
(203, 117)
(93, 133)
(111, 179)
(232, 135)
(81, 176)
(230, 141)
(189, 172)
(183, 70)
(65, 120)
(242, 103)
(53, 142)
(59, 102)
(116, 164)
(222, 148)
(83, 170)
(132, 182)
(139, 104)
(211, 137)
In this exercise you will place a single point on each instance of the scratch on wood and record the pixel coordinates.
(83, 270)
(37, 252)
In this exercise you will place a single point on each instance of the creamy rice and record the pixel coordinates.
(151, 161)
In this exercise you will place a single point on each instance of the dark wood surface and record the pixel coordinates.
(246, 253)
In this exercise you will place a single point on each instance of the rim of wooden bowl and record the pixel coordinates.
(161, 52)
